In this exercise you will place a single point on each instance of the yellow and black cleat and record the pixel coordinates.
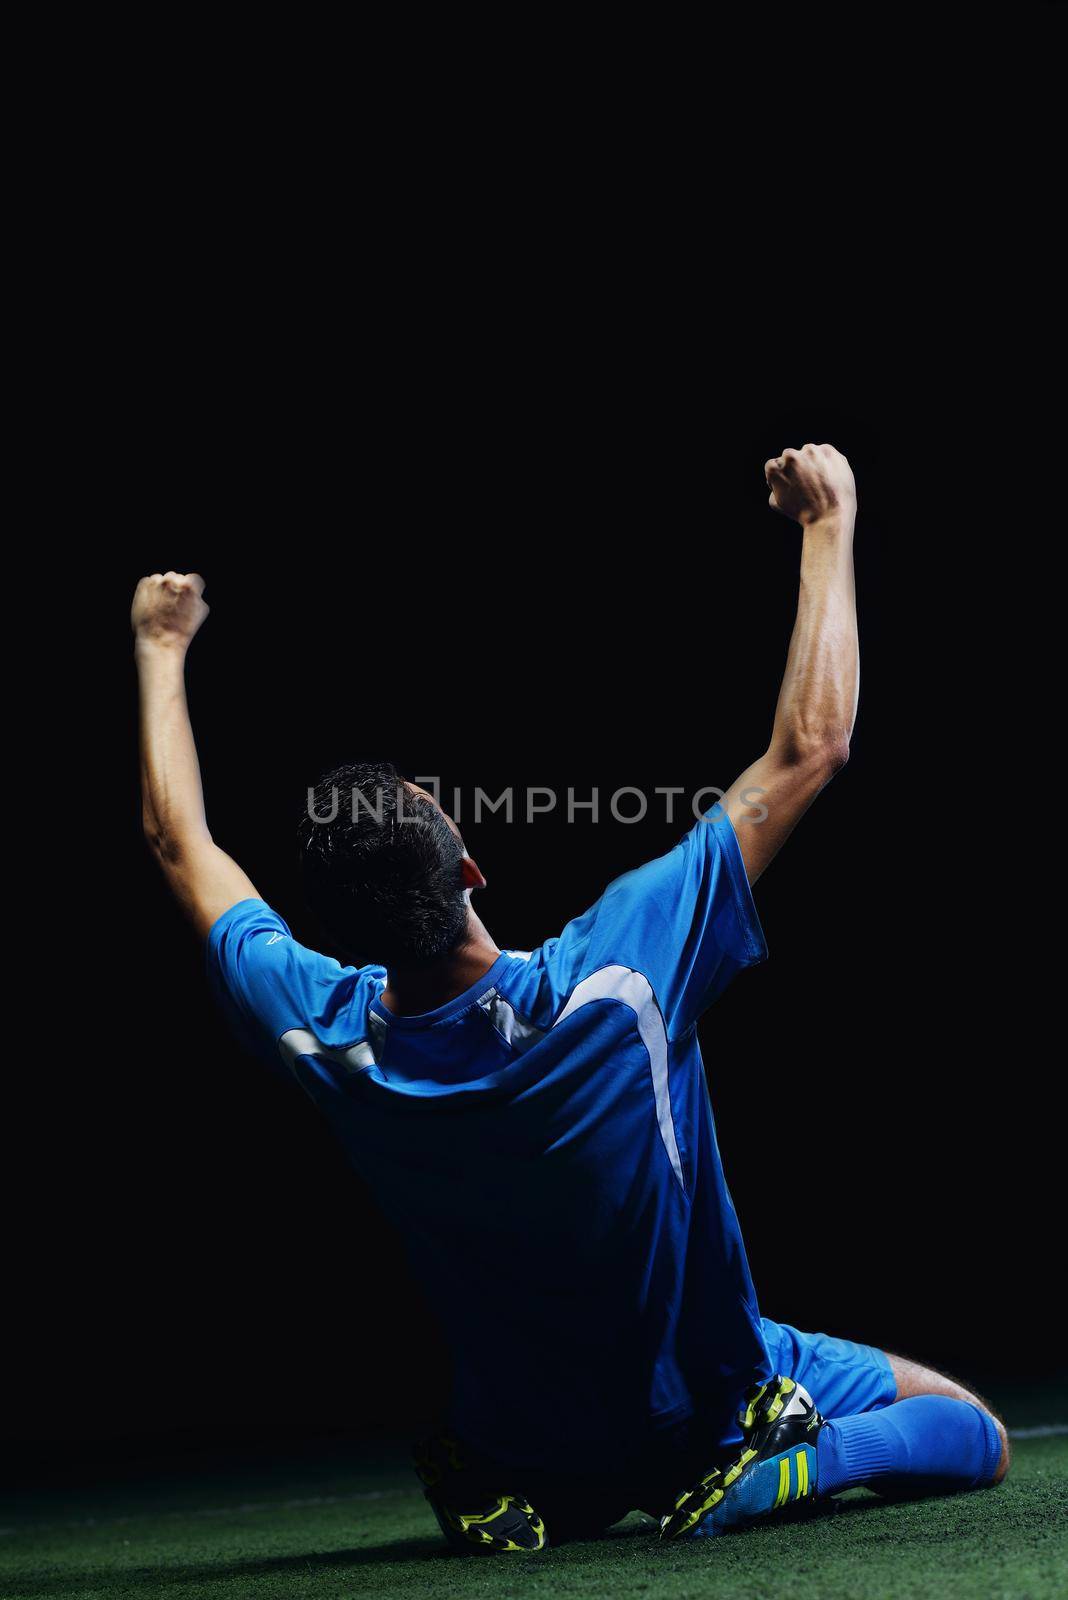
(775, 1468)
(474, 1520)
(507, 1523)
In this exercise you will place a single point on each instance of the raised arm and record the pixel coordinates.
(167, 610)
(818, 699)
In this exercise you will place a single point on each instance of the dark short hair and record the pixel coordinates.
(382, 867)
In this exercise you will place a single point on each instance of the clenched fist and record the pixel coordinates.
(168, 608)
(810, 484)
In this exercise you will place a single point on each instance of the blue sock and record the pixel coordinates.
(928, 1445)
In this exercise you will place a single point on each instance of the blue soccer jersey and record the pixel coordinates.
(545, 1143)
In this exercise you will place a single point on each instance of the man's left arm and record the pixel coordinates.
(168, 609)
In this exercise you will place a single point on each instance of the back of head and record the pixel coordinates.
(382, 867)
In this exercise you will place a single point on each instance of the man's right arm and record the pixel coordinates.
(168, 610)
(818, 699)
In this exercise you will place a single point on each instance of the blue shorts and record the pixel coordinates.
(842, 1377)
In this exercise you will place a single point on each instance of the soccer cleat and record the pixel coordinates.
(776, 1467)
(486, 1524)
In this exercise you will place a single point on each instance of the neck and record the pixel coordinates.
(410, 991)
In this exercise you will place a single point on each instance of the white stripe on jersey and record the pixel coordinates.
(633, 989)
(513, 1029)
(299, 1042)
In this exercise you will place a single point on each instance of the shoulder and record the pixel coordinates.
(254, 958)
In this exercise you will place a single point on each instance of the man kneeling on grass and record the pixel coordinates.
(538, 1123)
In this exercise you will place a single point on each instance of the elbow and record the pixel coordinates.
(168, 846)
(159, 842)
(818, 755)
(835, 754)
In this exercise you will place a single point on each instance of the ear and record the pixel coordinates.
(472, 877)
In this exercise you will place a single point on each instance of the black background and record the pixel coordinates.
(589, 593)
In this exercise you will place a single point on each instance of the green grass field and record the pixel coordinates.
(329, 1527)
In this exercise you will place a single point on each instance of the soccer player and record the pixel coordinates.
(538, 1123)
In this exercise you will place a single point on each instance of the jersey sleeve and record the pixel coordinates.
(686, 921)
(267, 983)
